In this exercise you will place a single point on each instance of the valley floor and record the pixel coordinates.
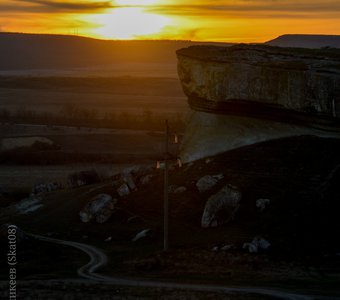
(299, 175)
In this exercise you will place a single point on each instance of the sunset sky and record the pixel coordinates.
(213, 20)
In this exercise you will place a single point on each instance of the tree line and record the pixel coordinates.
(73, 115)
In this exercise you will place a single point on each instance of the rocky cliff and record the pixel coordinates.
(250, 93)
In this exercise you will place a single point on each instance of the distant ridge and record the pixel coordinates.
(306, 41)
(42, 51)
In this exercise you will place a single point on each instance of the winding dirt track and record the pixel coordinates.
(99, 259)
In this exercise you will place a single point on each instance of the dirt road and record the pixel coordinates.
(99, 259)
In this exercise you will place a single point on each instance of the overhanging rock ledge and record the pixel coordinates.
(245, 94)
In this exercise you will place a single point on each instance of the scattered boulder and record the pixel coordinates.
(228, 247)
(173, 189)
(128, 179)
(207, 182)
(108, 239)
(81, 178)
(261, 204)
(144, 233)
(100, 207)
(28, 205)
(85, 216)
(46, 188)
(256, 245)
(180, 190)
(221, 207)
(138, 171)
(223, 248)
(123, 190)
(145, 179)
(101, 201)
(132, 219)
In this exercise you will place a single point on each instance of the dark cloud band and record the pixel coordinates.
(248, 8)
(78, 6)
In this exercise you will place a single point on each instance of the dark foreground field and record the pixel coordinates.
(94, 101)
(299, 176)
(74, 149)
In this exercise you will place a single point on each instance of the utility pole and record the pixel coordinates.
(167, 158)
(166, 188)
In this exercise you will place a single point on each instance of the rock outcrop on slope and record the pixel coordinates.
(100, 207)
(306, 41)
(245, 94)
(221, 207)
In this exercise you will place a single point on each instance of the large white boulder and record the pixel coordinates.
(99, 202)
(221, 207)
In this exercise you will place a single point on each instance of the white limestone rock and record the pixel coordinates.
(261, 204)
(29, 205)
(228, 247)
(99, 208)
(180, 190)
(207, 182)
(256, 245)
(123, 190)
(145, 179)
(144, 233)
(221, 207)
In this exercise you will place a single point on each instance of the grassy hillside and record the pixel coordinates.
(299, 175)
(62, 51)
(306, 41)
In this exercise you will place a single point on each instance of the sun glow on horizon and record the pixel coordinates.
(128, 23)
(198, 20)
(136, 2)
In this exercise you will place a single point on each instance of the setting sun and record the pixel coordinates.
(136, 2)
(129, 23)
(199, 20)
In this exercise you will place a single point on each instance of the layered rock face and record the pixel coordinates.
(250, 93)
